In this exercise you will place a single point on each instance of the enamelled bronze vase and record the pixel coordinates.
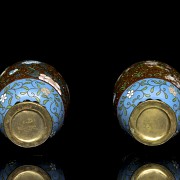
(34, 99)
(147, 102)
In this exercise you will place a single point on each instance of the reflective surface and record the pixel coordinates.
(90, 144)
(28, 172)
(32, 167)
(152, 171)
(138, 166)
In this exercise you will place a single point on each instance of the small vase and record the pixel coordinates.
(33, 102)
(147, 102)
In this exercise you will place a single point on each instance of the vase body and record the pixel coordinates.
(34, 99)
(147, 100)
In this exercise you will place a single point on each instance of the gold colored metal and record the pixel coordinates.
(153, 122)
(28, 124)
(152, 172)
(28, 172)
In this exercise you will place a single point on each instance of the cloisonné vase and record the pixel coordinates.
(147, 102)
(138, 169)
(39, 171)
(34, 99)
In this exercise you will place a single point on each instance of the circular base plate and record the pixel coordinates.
(153, 123)
(28, 124)
(152, 171)
(28, 172)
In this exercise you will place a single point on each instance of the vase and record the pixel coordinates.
(34, 99)
(147, 102)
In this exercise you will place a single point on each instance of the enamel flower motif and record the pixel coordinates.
(52, 134)
(151, 63)
(3, 98)
(172, 91)
(130, 94)
(47, 79)
(174, 79)
(175, 164)
(46, 91)
(53, 167)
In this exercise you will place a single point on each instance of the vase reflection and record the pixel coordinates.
(143, 169)
(39, 170)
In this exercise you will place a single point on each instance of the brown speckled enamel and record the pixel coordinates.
(25, 71)
(145, 69)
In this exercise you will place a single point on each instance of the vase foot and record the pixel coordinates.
(28, 124)
(153, 122)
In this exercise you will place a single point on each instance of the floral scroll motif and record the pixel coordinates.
(35, 91)
(130, 94)
(142, 70)
(31, 69)
(49, 80)
(3, 98)
(149, 88)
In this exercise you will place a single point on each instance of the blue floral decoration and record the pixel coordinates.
(142, 90)
(35, 91)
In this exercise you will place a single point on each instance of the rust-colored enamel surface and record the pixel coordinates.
(142, 70)
(22, 70)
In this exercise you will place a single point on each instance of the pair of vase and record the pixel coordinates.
(34, 99)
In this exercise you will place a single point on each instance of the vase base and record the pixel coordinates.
(153, 122)
(28, 124)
